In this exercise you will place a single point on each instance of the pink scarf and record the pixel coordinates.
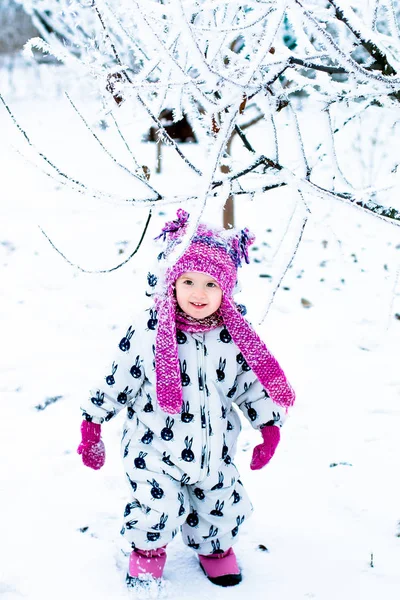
(185, 322)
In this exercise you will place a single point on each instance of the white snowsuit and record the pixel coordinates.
(180, 467)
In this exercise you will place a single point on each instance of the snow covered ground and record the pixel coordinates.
(327, 508)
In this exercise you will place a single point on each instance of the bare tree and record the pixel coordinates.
(324, 66)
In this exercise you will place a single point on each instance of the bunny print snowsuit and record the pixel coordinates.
(179, 468)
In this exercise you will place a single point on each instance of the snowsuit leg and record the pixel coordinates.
(156, 511)
(159, 503)
(218, 506)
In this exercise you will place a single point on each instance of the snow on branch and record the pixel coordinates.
(307, 66)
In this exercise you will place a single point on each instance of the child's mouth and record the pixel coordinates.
(197, 305)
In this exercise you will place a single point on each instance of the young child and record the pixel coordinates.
(180, 370)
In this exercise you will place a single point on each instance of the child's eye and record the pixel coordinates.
(187, 282)
(211, 284)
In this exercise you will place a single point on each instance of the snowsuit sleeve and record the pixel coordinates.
(254, 401)
(121, 382)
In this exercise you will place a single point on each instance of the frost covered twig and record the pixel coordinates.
(102, 270)
(381, 61)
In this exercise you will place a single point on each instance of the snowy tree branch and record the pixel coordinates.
(381, 62)
(143, 235)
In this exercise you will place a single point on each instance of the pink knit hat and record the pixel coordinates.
(218, 253)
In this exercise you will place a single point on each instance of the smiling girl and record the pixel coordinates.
(182, 370)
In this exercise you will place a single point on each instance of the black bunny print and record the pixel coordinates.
(98, 400)
(125, 343)
(198, 492)
(156, 490)
(184, 376)
(136, 371)
(227, 460)
(233, 389)
(166, 460)
(221, 369)
(225, 336)
(152, 536)
(145, 509)
(123, 396)
(181, 337)
(235, 530)
(161, 524)
(130, 412)
(276, 418)
(201, 380)
(224, 410)
(181, 499)
(185, 479)
(110, 415)
(242, 309)
(252, 413)
(131, 524)
(217, 511)
(193, 518)
(126, 449)
(220, 483)
(147, 437)
(203, 417)
(148, 407)
(224, 449)
(139, 461)
(110, 378)
(242, 361)
(130, 506)
(236, 497)
(151, 279)
(192, 544)
(133, 483)
(203, 456)
(187, 454)
(152, 322)
(166, 433)
(229, 426)
(186, 416)
(216, 546)
(213, 531)
(247, 386)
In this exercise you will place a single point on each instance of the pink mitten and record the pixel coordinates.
(263, 453)
(91, 447)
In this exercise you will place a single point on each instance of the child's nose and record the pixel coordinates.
(199, 292)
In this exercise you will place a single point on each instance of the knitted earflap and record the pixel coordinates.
(258, 357)
(168, 370)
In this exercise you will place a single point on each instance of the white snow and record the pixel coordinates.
(330, 531)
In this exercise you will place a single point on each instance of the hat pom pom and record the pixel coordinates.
(240, 244)
(173, 227)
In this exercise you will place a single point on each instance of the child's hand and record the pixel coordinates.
(92, 447)
(263, 453)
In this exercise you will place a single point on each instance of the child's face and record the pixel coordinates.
(198, 294)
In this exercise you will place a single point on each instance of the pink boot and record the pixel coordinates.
(221, 568)
(146, 564)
